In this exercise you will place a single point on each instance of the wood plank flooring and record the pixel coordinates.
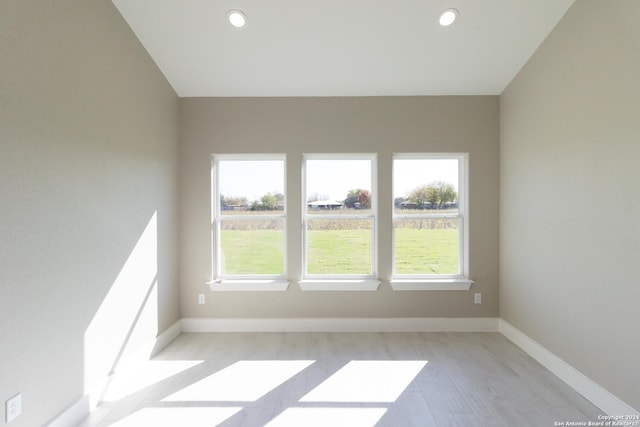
(340, 379)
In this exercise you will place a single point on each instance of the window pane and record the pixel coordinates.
(426, 246)
(252, 246)
(338, 185)
(339, 246)
(425, 186)
(251, 186)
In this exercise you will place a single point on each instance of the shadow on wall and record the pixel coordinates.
(127, 319)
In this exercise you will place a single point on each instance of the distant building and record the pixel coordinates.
(324, 204)
(242, 207)
(411, 205)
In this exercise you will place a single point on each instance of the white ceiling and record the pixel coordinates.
(340, 47)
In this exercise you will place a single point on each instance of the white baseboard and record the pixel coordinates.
(343, 325)
(592, 391)
(74, 414)
(151, 348)
(165, 338)
(81, 409)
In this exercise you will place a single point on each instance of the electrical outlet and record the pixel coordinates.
(200, 298)
(13, 407)
(477, 298)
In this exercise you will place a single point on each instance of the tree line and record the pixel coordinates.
(268, 202)
(436, 194)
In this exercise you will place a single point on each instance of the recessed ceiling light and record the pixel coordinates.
(237, 18)
(448, 16)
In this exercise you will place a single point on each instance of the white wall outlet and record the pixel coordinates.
(13, 407)
(201, 299)
(477, 298)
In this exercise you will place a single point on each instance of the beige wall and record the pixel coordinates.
(88, 163)
(88, 159)
(570, 195)
(354, 125)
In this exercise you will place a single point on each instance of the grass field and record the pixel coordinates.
(426, 251)
(252, 251)
(339, 251)
(418, 251)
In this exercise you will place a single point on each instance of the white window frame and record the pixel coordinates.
(341, 282)
(460, 281)
(250, 282)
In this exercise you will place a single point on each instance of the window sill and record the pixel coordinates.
(231, 285)
(431, 284)
(339, 285)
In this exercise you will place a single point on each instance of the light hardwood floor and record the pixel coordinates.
(340, 379)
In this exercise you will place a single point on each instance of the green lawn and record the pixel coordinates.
(426, 251)
(252, 251)
(339, 251)
(419, 251)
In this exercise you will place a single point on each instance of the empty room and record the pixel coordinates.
(319, 213)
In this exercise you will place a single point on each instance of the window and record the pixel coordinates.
(339, 222)
(429, 222)
(248, 222)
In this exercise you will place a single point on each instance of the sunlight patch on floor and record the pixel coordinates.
(137, 378)
(243, 381)
(367, 381)
(322, 417)
(172, 417)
